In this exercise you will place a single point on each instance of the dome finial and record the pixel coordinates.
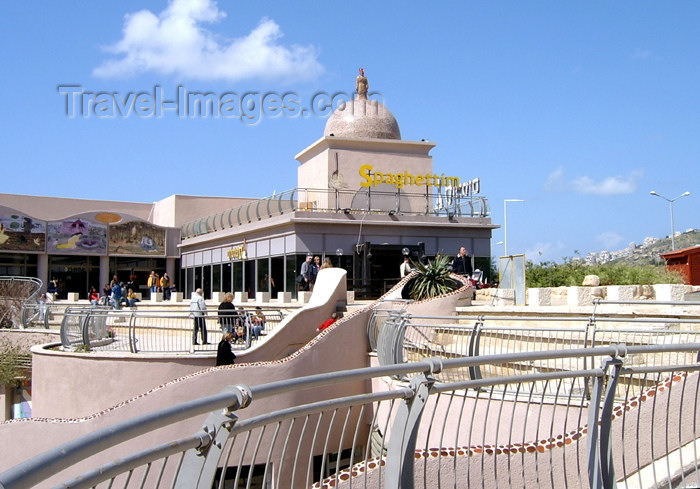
(361, 85)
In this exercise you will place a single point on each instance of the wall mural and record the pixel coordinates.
(22, 233)
(136, 238)
(76, 236)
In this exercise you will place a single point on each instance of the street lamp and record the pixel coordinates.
(670, 204)
(505, 223)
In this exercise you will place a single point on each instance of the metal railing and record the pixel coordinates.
(153, 330)
(402, 338)
(349, 201)
(14, 293)
(421, 433)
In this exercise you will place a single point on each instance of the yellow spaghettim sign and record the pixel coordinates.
(400, 180)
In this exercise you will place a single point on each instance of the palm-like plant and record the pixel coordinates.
(433, 279)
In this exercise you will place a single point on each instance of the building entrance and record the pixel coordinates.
(377, 268)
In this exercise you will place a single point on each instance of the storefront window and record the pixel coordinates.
(276, 275)
(206, 281)
(290, 275)
(216, 279)
(18, 265)
(263, 275)
(237, 276)
(226, 272)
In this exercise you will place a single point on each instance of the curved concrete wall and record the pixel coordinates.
(342, 346)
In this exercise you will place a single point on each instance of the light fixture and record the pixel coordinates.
(339, 252)
(670, 203)
(405, 252)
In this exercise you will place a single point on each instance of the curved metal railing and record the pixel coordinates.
(404, 337)
(419, 434)
(325, 200)
(156, 331)
(15, 292)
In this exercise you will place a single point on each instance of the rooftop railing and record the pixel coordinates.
(397, 202)
(419, 433)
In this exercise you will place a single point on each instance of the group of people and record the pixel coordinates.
(236, 324)
(309, 271)
(115, 294)
(161, 284)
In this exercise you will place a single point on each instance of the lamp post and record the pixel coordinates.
(505, 223)
(670, 204)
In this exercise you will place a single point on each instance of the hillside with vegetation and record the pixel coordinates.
(635, 265)
(649, 254)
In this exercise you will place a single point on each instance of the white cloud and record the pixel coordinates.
(616, 185)
(609, 240)
(175, 42)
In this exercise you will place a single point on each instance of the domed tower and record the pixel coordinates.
(362, 140)
(362, 118)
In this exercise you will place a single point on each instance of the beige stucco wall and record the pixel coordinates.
(318, 162)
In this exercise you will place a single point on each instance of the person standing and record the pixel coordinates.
(116, 296)
(165, 284)
(307, 272)
(227, 314)
(405, 268)
(314, 271)
(153, 282)
(462, 264)
(198, 309)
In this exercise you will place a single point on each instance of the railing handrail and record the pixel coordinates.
(236, 397)
(288, 201)
(84, 317)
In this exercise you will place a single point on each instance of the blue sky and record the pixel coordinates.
(578, 108)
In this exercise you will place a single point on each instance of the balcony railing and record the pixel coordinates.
(398, 202)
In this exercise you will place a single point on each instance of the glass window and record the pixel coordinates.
(237, 277)
(216, 278)
(206, 281)
(226, 271)
(263, 275)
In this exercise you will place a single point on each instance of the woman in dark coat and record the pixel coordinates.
(227, 312)
(224, 353)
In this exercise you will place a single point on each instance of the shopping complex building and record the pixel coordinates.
(364, 198)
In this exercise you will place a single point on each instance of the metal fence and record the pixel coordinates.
(398, 337)
(14, 293)
(348, 201)
(420, 433)
(153, 330)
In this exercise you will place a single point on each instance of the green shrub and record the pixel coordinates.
(12, 362)
(433, 279)
(572, 272)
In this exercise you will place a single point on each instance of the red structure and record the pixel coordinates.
(686, 262)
